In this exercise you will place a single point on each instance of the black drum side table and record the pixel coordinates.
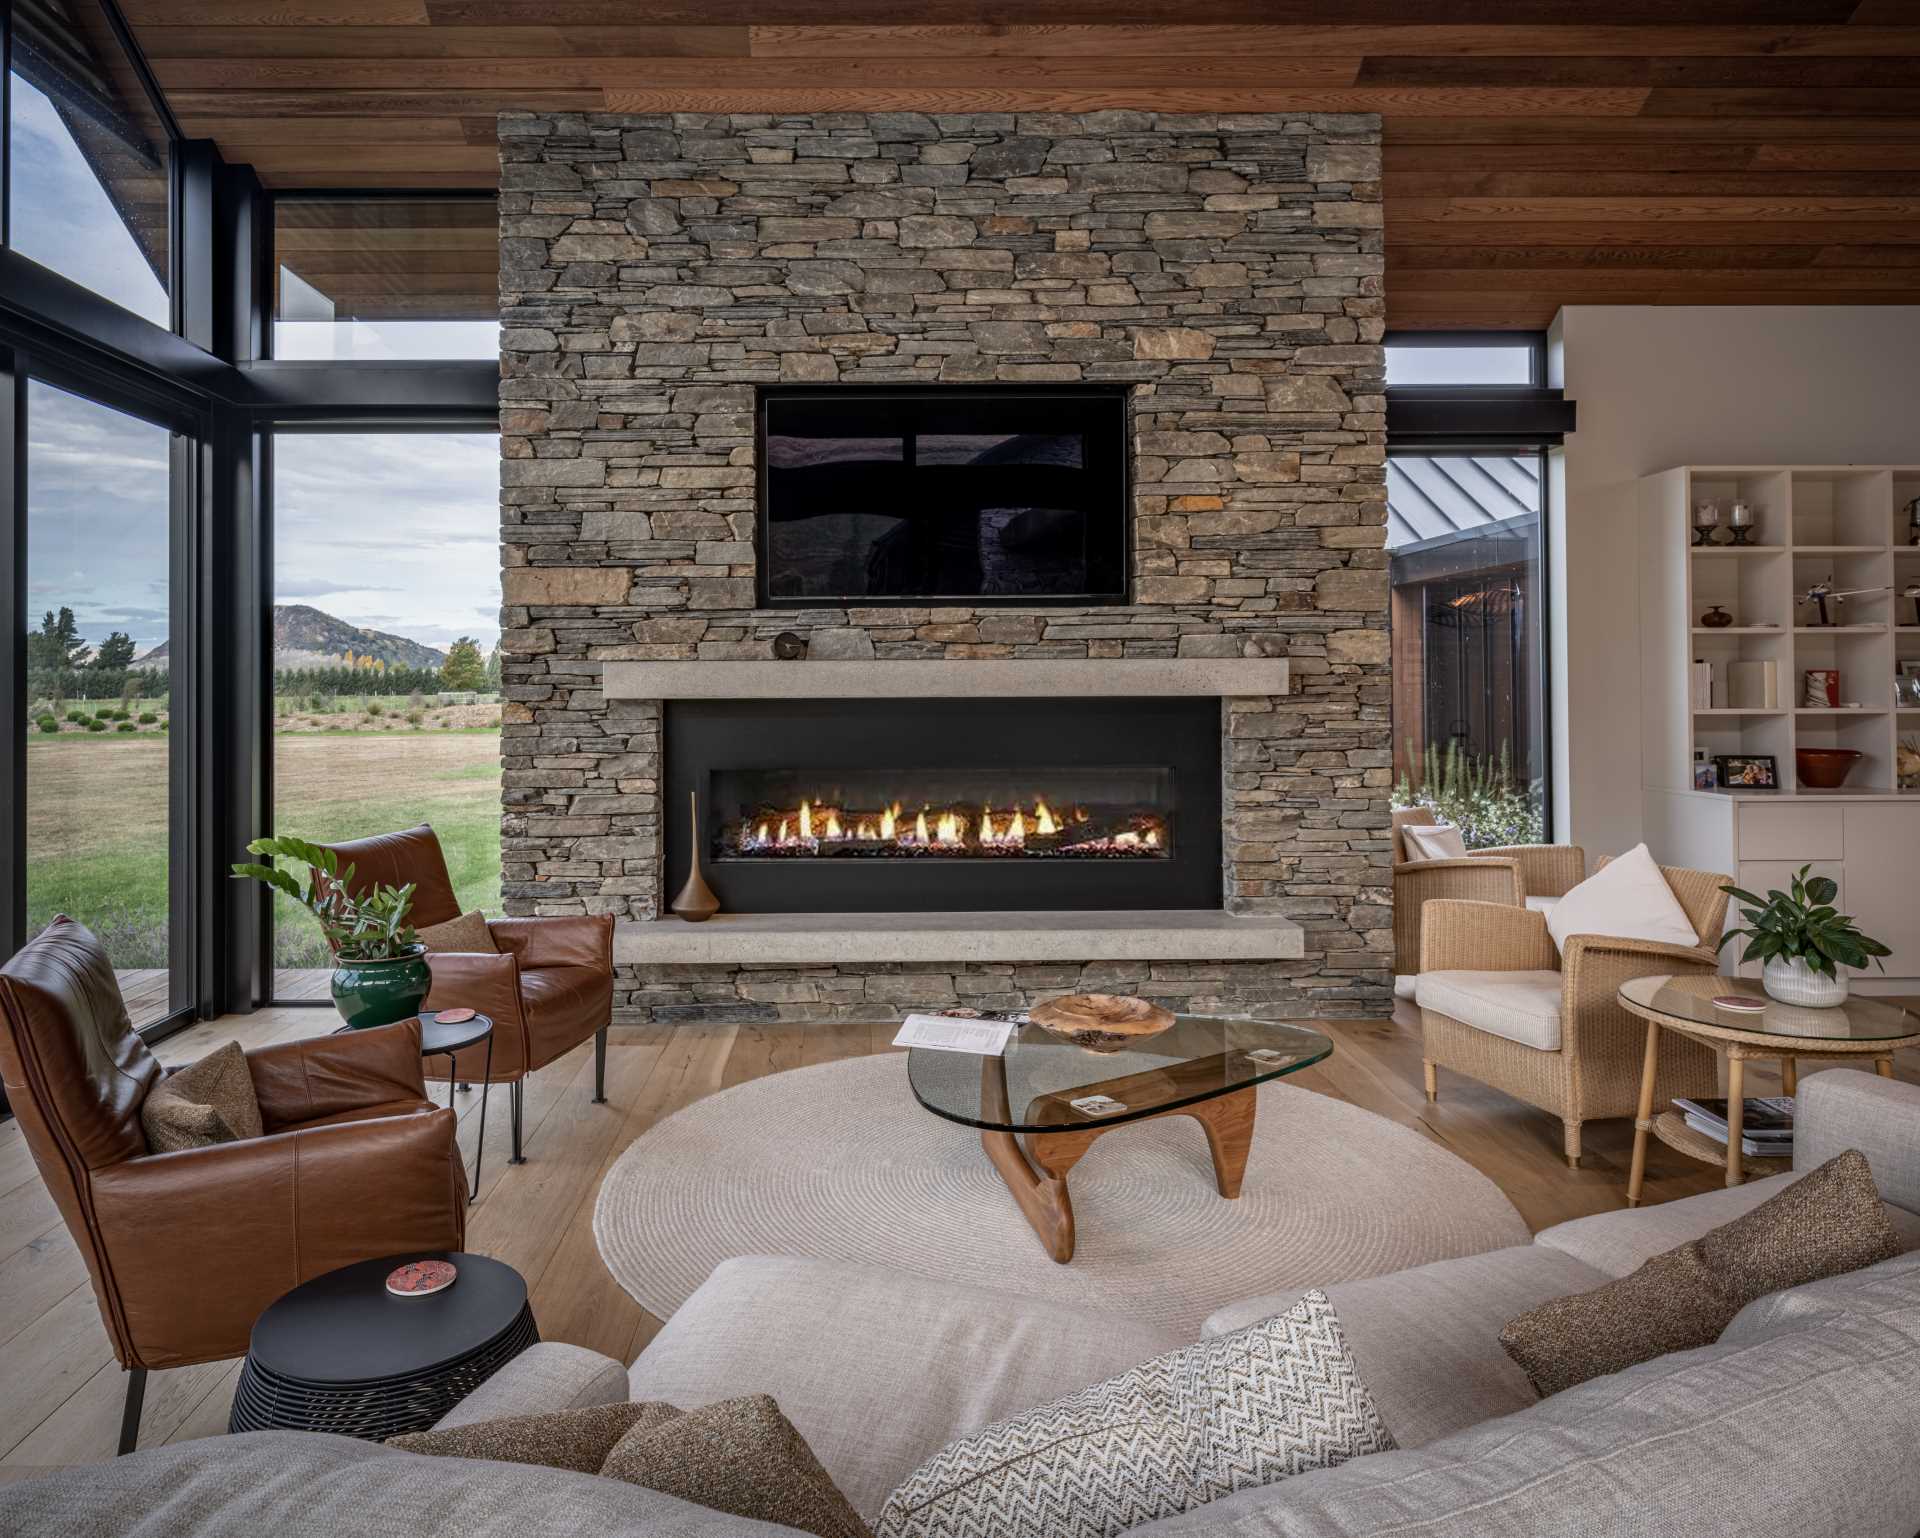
(341, 1354)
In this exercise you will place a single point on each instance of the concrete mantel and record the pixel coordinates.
(822, 939)
(1066, 677)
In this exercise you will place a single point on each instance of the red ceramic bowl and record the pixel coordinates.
(1824, 768)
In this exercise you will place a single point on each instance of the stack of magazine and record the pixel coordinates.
(1766, 1123)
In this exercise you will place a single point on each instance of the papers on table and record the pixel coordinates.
(944, 1033)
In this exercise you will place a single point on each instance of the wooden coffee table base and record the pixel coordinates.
(1037, 1173)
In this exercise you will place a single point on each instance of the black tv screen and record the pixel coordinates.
(967, 494)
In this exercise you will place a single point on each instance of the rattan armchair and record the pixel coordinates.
(1592, 1070)
(1508, 875)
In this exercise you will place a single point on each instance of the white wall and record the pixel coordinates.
(1658, 387)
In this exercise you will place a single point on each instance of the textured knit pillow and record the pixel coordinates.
(1824, 1224)
(211, 1101)
(1627, 899)
(743, 1457)
(566, 1439)
(1228, 1413)
(469, 932)
(1434, 841)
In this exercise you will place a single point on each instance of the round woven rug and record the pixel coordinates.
(840, 1162)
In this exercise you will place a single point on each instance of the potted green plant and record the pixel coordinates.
(381, 971)
(1802, 941)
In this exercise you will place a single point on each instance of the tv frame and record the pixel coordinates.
(1118, 394)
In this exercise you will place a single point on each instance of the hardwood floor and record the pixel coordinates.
(60, 1390)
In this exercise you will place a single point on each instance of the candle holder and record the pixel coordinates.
(1741, 523)
(1706, 518)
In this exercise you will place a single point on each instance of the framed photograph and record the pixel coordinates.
(1706, 776)
(1747, 771)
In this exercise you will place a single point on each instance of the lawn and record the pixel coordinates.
(97, 816)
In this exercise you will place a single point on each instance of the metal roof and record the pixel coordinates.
(1438, 496)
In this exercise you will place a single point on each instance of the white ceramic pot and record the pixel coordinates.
(1794, 982)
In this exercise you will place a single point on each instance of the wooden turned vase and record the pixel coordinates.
(696, 902)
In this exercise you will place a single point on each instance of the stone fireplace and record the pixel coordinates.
(1197, 754)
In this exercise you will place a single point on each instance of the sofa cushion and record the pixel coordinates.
(468, 932)
(1624, 1240)
(1627, 898)
(1427, 1340)
(1800, 1433)
(1229, 1412)
(1520, 1006)
(1542, 904)
(209, 1101)
(1433, 841)
(878, 1370)
(560, 1439)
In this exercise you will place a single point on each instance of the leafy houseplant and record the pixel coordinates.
(381, 972)
(1803, 941)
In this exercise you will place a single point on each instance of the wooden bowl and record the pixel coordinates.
(1824, 768)
(1101, 1022)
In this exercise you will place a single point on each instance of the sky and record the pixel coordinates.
(399, 532)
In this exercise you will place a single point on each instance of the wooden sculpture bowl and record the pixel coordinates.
(1824, 768)
(1101, 1022)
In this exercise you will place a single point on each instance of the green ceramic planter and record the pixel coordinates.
(369, 993)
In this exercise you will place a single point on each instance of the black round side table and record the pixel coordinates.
(341, 1354)
(438, 1038)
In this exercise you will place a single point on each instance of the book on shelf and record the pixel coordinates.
(1766, 1123)
(1753, 685)
(1703, 690)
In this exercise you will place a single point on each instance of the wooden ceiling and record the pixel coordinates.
(1649, 152)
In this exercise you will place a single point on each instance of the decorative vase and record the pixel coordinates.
(1716, 618)
(696, 902)
(1794, 982)
(1101, 1022)
(369, 993)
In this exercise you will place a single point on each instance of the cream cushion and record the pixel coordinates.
(1626, 899)
(1521, 1006)
(1542, 904)
(1429, 841)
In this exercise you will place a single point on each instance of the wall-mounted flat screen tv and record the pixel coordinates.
(976, 494)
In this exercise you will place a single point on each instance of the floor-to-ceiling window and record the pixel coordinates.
(386, 615)
(100, 693)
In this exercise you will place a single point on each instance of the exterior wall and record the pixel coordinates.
(656, 268)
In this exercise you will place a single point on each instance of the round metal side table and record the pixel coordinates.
(341, 1354)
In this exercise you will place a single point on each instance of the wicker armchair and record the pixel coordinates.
(1508, 875)
(1546, 1027)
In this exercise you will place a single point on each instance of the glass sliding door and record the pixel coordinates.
(100, 688)
(386, 623)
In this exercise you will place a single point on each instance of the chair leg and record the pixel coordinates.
(600, 1066)
(1572, 1131)
(130, 1414)
(516, 1096)
(1433, 1078)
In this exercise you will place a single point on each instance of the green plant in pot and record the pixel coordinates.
(1803, 941)
(380, 974)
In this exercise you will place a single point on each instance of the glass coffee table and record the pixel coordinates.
(1202, 1066)
(1859, 1028)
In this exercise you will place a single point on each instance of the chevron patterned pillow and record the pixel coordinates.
(1228, 1413)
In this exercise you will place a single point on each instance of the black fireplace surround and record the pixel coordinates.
(915, 806)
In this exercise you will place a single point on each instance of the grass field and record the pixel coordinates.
(97, 818)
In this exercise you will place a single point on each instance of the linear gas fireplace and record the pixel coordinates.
(916, 806)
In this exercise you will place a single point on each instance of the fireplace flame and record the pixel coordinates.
(806, 820)
(833, 825)
(1043, 820)
(1017, 829)
(887, 821)
(827, 826)
(920, 826)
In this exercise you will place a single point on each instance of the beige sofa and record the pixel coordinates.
(1801, 1422)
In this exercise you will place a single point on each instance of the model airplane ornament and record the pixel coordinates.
(1820, 594)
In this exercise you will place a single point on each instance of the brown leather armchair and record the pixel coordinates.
(549, 988)
(187, 1249)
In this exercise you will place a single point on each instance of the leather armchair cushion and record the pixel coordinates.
(564, 1005)
(394, 859)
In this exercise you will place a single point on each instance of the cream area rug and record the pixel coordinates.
(839, 1161)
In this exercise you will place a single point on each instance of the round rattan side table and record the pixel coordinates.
(341, 1354)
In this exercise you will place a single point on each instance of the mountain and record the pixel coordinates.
(305, 637)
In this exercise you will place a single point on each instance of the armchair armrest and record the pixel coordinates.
(297, 1081)
(1484, 937)
(542, 1380)
(581, 940)
(1473, 879)
(1638, 958)
(478, 980)
(1546, 870)
(200, 1242)
(1842, 1108)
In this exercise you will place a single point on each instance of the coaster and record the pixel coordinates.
(1097, 1105)
(455, 1016)
(1740, 1003)
(420, 1278)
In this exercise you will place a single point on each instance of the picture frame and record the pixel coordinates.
(1747, 771)
(1706, 776)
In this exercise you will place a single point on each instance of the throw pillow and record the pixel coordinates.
(743, 1457)
(1427, 841)
(1627, 899)
(1228, 1413)
(565, 1439)
(469, 932)
(1824, 1224)
(211, 1101)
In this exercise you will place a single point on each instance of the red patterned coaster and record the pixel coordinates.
(1741, 1002)
(418, 1278)
(454, 1016)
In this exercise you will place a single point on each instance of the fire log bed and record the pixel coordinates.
(815, 832)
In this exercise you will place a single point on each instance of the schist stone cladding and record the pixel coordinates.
(655, 269)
